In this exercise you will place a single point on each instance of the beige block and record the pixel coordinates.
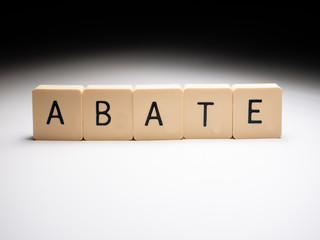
(257, 110)
(157, 111)
(57, 112)
(108, 112)
(207, 111)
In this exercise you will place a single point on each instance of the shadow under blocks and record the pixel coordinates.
(156, 112)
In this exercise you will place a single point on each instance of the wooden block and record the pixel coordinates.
(207, 111)
(157, 111)
(108, 112)
(257, 110)
(57, 112)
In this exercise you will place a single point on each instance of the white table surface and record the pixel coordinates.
(187, 189)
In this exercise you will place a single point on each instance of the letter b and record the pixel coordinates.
(105, 112)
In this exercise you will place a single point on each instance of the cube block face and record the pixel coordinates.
(257, 111)
(108, 112)
(158, 112)
(207, 111)
(57, 112)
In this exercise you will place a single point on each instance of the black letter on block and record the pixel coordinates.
(105, 112)
(154, 106)
(55, 105)
(253, 111)
(205, 105)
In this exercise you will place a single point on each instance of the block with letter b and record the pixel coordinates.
(257, 110)
(157, 111)
(108, 112)
(207, 111)
(57, 112)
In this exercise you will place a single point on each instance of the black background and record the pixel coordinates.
(276, 36)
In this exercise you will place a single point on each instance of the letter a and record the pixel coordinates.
(55, 105)
(158, 117)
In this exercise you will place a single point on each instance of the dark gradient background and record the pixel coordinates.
(285, 37)
(186, 189)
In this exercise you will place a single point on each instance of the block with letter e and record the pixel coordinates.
(57, 112)
(257, 110)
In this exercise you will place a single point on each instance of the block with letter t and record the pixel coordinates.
(207, 111)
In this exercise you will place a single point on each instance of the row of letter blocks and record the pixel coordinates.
(150, 112)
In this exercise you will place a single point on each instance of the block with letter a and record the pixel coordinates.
(57, 112)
